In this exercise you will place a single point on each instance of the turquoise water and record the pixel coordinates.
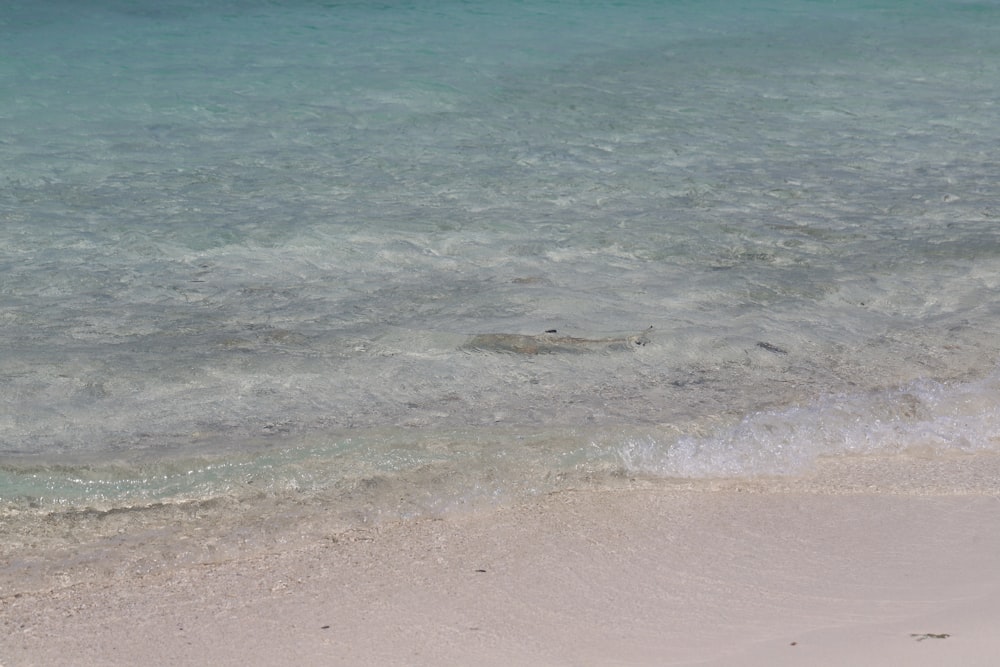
(255, 252)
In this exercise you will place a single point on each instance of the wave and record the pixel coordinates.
(922, 417)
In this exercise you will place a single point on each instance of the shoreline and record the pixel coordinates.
(810, 570)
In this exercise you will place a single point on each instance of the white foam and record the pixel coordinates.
(925, 416)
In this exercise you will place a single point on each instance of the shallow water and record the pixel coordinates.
(304, 255)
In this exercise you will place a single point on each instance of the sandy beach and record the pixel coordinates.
(522, 333)
(828, 569)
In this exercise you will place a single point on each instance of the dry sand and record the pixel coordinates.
(835, 569)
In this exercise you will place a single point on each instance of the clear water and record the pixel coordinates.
(249, 250)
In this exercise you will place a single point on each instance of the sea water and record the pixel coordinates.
(373, 259)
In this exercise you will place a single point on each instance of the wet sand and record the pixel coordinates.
(864, 562)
